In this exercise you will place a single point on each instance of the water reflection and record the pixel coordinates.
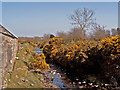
(54, 75)
(38, 51)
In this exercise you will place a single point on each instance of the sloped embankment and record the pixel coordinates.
(21, 76)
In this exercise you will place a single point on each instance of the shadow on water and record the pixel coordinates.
(38, 51)
(64, 78)
(57, 75)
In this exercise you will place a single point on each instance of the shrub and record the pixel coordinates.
(21, 41)
(40, 44)
(31, 43)
(39, 63)
(56, 40)
(51, 36)
(86, 56)
(27, 50)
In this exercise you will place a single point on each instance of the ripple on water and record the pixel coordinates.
(55, 75)
(38, 51)
(56, 78)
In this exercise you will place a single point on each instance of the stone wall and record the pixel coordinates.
(8, 47)
(9, 50)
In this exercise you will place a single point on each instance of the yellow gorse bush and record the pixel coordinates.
(40, 44)
(56, 40)
(27, 50)
(112, 42)
(31, 43)
(66, 53)
(39, 63)
(22, 41)
(79, 52)
(33, 53)
(111, 46)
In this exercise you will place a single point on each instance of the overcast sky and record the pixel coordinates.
(38, 18)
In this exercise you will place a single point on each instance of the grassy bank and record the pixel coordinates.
(21, 76)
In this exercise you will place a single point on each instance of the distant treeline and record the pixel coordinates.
(31, 38)
(75, 35)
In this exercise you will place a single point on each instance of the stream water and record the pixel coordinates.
(67, 79)
(57, 76)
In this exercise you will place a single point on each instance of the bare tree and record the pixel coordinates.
(77, 34)
(73, 35)
(61, 34)
(82, 18)
(99, 32)
(114, 32)
(118, 30)
(107, 33)
(46, 37)
(66, 36)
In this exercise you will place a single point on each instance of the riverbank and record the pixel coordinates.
(62, 70)
(22, 76)
(87, 59)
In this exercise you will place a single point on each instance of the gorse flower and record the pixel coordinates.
(79, 51)
(27, 50)
(39, 63)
